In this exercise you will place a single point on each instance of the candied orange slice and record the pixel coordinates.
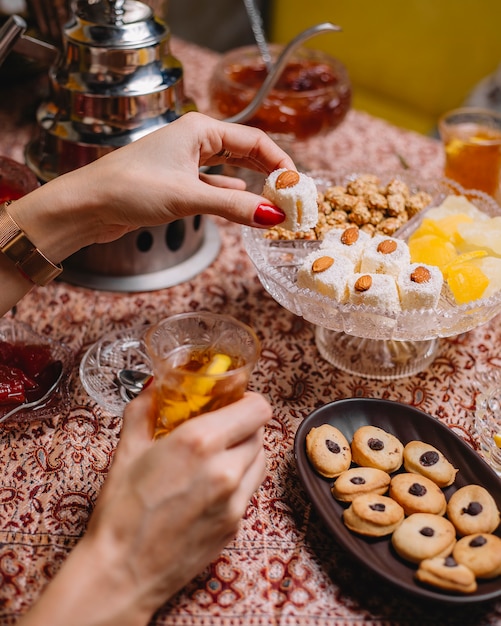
(219, 364)
(427, 227)
(447, 227)
(202, 385)
(467, 282)
(432, 250)
(462, 258)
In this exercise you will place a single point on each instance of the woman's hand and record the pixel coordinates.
(167, 508)
(152, 181)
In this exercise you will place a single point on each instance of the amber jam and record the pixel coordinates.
(311, 96)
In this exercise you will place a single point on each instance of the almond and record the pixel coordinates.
(363, 283)
(387, 246)
(321, 264)
(350, 236)
(286, 179)
(421, 275)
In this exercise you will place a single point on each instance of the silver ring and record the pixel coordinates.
(224, 153)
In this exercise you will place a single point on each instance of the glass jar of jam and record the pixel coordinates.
(311, 96)
(16, 179)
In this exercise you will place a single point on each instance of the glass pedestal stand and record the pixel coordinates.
(383, 359)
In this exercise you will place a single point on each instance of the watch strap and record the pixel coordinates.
(29, 260)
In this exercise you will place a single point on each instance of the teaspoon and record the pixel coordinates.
(132, 382)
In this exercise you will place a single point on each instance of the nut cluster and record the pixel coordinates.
(364, 202)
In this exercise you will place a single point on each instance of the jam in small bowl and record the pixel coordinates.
(311, 96)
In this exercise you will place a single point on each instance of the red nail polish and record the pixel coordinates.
(268, 215)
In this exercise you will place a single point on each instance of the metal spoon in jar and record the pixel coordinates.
(132, 382)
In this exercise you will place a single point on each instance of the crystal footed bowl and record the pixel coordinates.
(370, 341)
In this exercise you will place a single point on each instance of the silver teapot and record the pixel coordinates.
(114, 81)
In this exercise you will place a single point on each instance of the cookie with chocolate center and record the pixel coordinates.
(417, 494)
(328, 450)
(423, 458)
(447, 574)
(372, 446)
(481, 553)
(424, 536)
(373, 515)
(472, 509)
(358, 480)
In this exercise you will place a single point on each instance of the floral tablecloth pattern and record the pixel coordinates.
(283, 568)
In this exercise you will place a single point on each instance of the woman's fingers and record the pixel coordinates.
(237, 144)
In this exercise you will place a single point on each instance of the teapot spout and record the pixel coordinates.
(12, 37)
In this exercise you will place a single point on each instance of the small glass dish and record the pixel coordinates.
(487, 423)
(15, 332)
(99, 367)
(359, 339)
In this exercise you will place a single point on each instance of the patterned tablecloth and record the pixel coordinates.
(283, 568)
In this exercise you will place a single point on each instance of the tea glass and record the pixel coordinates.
(201, 362)
(472, 144)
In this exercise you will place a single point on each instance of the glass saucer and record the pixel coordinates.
(362, 340)
(119, 349)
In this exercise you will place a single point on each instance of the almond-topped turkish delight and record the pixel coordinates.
(385, 255)
(326, 271)
(374, 290)
(419, 286)
(296, 194)
(349, 241)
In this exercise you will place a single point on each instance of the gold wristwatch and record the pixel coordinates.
(14, 243)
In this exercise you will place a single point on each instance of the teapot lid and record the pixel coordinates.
(114, 24)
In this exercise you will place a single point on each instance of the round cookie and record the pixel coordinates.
(328, 450)
(472, 510)
(373, 515)
(447, 574)
(424, 536)
(481, 553)
(358, 480)
(372, 446)
(417, 494)
(423, 458)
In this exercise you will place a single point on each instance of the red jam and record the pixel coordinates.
(24, 368)
(310, 97)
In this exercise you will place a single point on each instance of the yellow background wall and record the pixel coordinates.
(409, 60)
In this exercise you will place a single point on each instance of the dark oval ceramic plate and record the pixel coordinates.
(407, 423)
